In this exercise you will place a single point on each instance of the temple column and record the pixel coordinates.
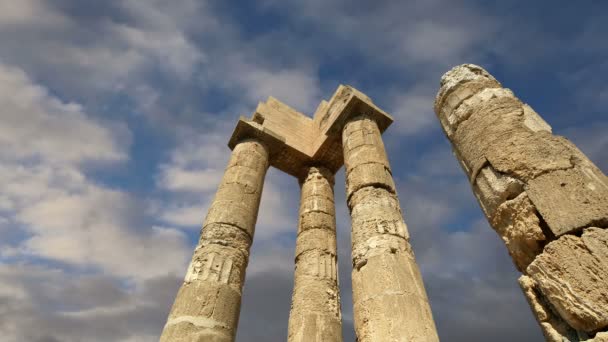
(390, 302)
(207, 305)
(545, 199)
(315, 307)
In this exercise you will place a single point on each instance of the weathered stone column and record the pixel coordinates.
(208, 303)
(543, 196)
(390, 302)
(315, 307)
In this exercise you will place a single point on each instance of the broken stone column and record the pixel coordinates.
(545, 199)
(315, 308)
(208, 303)
(390, 302)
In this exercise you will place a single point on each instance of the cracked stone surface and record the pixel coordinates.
(315, 306)
(390, 302)
(542, 196)
(572, 274)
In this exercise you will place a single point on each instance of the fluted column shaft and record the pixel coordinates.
(315, 307)
(545, 199)
(390, 302)
(207, 305)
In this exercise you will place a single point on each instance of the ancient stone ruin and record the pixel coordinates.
(544, 197)
(390, 303)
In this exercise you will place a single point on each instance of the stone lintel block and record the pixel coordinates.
(296, 141)
(572, 275)
(346, 103)
(282, 156)
(322, 240)
(516, 222)
(570, 199)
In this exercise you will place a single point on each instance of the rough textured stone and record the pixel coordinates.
(516, 222)
(390, 303)
(571, 199)
(315, 307)
(207, 305)
(572, 274)
(534, 188)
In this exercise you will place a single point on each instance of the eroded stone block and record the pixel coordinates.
(492, 189)
(570, 199)
(572, 274)
(517, 223)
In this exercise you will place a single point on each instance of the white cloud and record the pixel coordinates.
(37, 125)
(67, 217)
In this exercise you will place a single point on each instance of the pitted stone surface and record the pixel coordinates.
(536, 190)
(207, 305)
(315, 307)
(389, 300)
(570, 199)
(572, 274)
(516, 222)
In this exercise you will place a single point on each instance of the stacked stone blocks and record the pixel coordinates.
(390, 300)
(542, 195)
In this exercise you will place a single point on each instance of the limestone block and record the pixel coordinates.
(517, 223)
(526, 155)
(533, 121)
(368, 175)
(206, 309)
(553, 327)
(491, 123)
(366, 154)
(460, 75)
(572, 274)
(318, 188)
(312, 220)
(248, 178)
(492, 189)
(217, 263)
(570, 199)
(450, 116)
(317, 264)
(317, 204)
(323, 240)
(315, 327)
(394, 306)
(468, 106)
(226, 235)
(362, 250)
(233, 213)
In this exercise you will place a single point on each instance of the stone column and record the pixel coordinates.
(390, 302)
(545, 199)
(315, 307)
(208, 303)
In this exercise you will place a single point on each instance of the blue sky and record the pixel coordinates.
(115, 117)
